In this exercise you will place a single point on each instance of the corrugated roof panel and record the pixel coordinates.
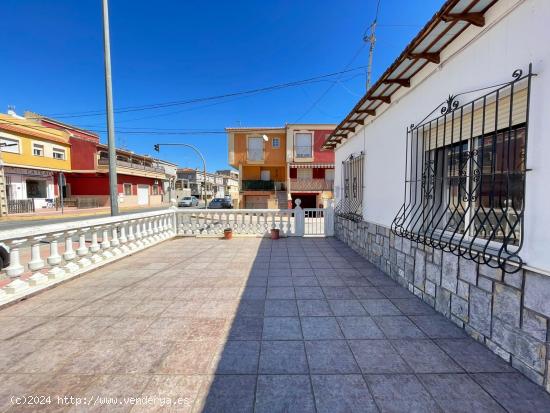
(430, 37)
(461, 6)
(378, 90)
(402, 66)
(413, 69)
(480, 6)
(434, 37)
(441, 43)
(390, 90)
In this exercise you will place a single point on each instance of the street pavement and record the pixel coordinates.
(5, 225)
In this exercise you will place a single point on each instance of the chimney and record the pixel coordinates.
(11, 112)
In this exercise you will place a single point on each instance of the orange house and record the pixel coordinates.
(260, 156)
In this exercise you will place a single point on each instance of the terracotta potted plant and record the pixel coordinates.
(274, 233)
(228, 233)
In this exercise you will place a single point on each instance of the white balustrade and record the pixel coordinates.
(36, 261)
(43, 255)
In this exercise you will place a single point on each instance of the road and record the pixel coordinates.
(5, 225)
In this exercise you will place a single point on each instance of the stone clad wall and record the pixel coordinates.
(508, 313)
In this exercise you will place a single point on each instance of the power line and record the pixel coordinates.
(128, 131)
(208, 98)
(320, 98)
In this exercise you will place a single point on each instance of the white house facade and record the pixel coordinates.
(441, 174)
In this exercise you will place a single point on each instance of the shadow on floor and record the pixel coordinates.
(320, 329)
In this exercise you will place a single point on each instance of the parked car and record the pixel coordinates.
(4, 255)
(228, 201)
(220, 203)
(188, 201)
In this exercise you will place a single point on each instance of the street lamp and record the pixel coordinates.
(157, 148)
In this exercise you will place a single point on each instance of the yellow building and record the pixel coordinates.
(260, 156)
(32, 158)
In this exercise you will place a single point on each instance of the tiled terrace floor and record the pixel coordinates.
(298, 325)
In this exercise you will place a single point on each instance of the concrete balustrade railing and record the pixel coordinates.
(43, 255)
(193, 222)
(295, 222)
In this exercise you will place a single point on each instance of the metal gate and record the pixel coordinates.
(314, 222)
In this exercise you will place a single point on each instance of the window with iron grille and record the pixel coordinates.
(350, 205)
(465, 177)
(127, 189)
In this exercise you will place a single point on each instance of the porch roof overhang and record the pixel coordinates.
(444, 27)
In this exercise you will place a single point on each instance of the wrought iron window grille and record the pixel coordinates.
(350, 205)
(465, 176)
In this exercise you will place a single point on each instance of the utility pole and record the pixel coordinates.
(113, 191)
(371, 39)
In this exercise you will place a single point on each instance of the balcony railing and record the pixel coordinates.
(44, 255)
(311, 185)
(259, 185)
(124, 164)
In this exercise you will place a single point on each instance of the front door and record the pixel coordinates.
(143, 194)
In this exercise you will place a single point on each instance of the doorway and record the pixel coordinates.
(143, 194)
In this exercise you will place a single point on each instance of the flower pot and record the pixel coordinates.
(274, 233)
(228, 233)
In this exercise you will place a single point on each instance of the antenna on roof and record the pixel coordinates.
(371, 39)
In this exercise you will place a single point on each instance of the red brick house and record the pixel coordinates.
(310, 169)
(139, 177)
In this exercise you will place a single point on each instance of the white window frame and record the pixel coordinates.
(59, 151)
(296, 153)
(260, 139)
(278, 145)
(9, 140)
(40, 147)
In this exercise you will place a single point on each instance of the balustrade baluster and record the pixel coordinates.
(95, 247)
(155, 229)
(131, 237)
(162, 227)
(69, 255)
(83, 250)
(123, 238)
(144, 232)
(54, 259)
(15, 269)
(148, 230)
(106, 244)
(115, 242)
(139, 234)
(36, 263)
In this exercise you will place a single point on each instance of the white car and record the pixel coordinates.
(188, 201)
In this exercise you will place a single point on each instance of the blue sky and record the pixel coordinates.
(166, 50)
